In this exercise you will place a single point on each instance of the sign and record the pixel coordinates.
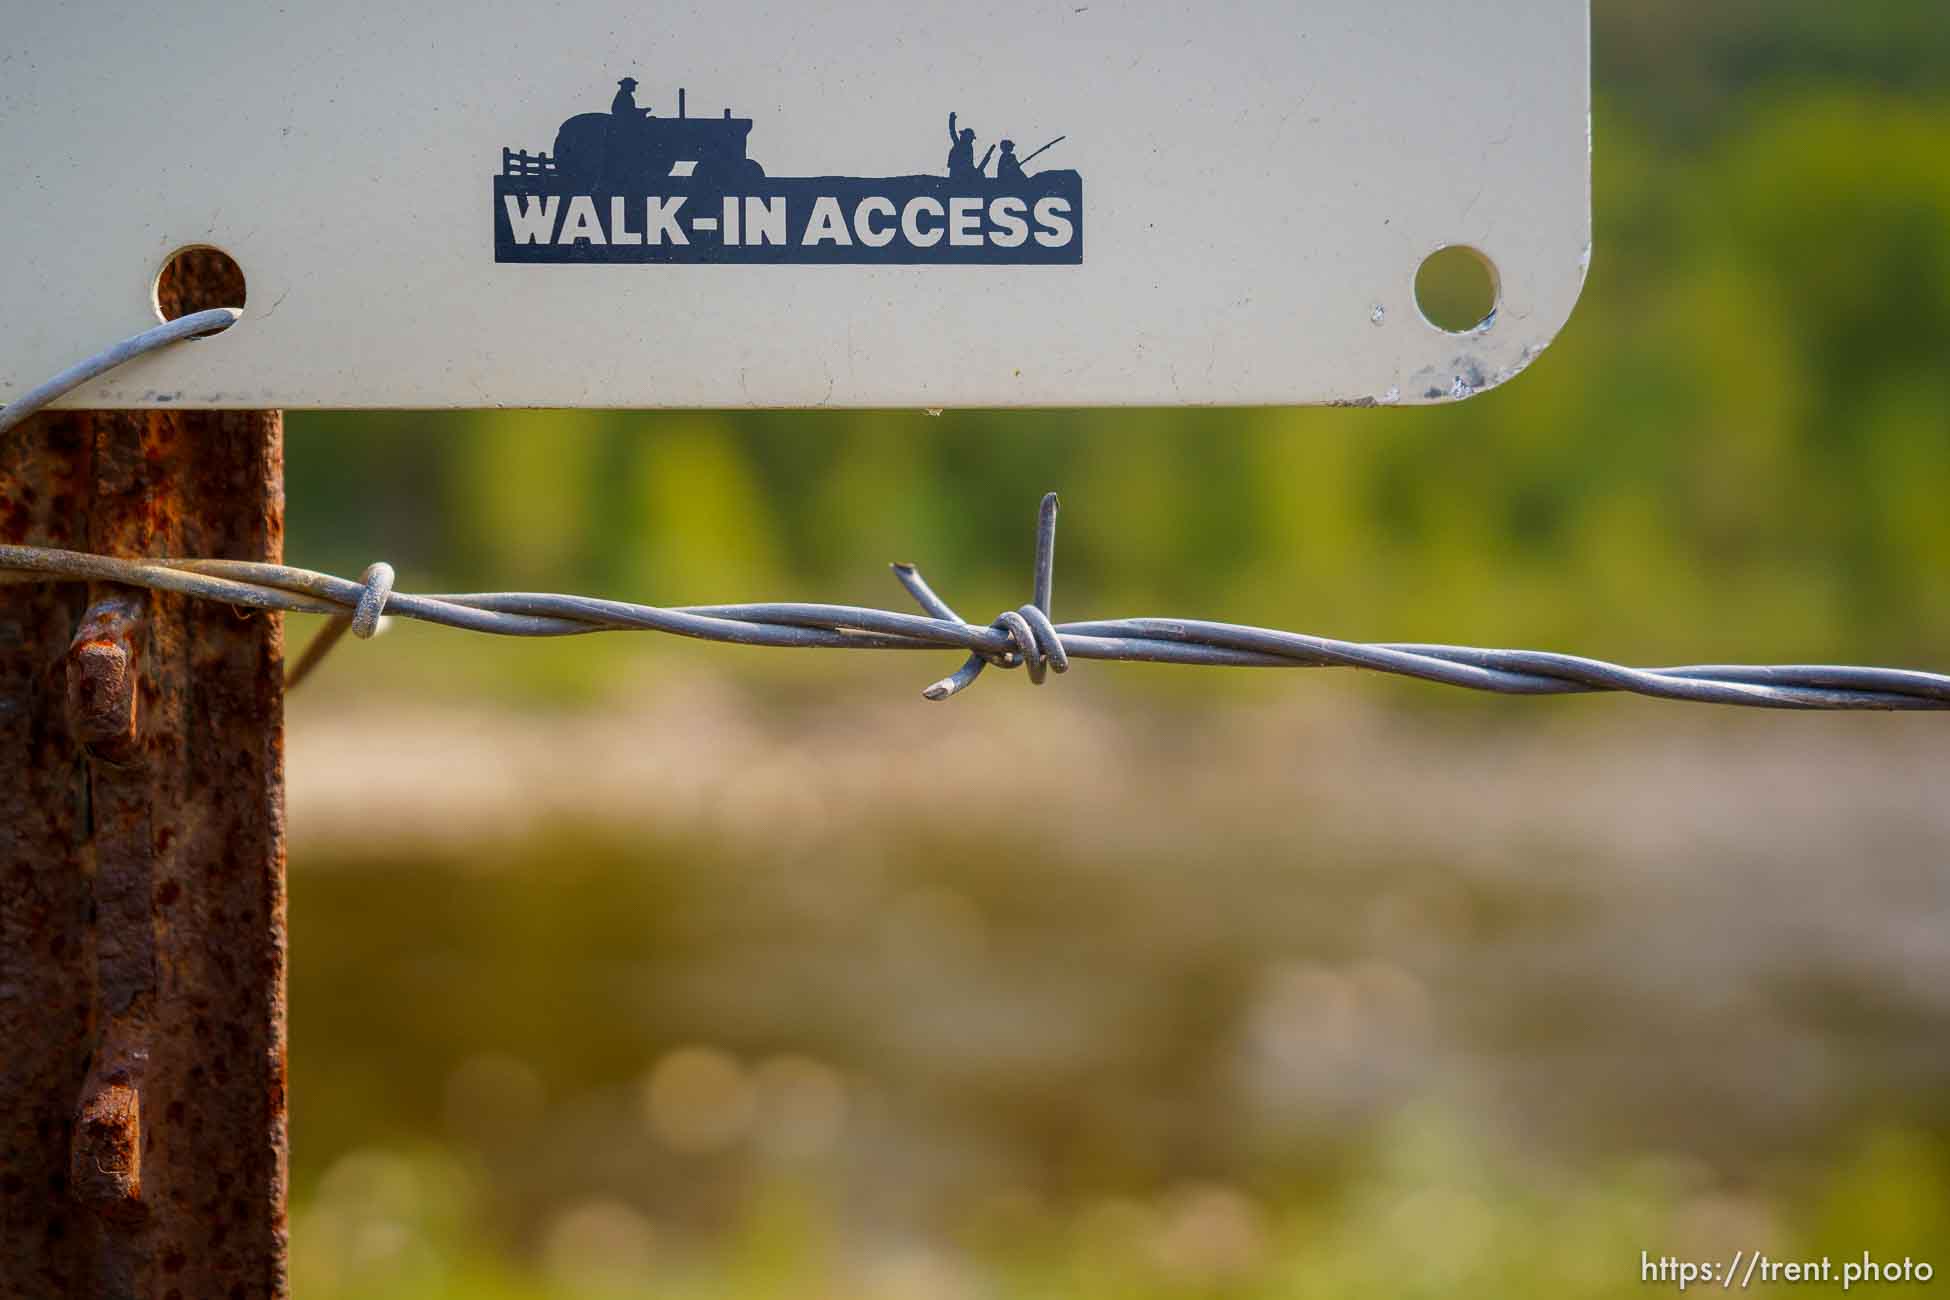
(629, 186)
(764, 203)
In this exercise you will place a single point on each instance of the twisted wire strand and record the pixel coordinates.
(1019, 638)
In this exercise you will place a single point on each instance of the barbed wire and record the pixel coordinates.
(1025, 637)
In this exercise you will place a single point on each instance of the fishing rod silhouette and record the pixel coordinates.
(1027, 158)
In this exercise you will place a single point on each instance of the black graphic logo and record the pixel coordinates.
(629, 186)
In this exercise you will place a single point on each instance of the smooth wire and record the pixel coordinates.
(193, 325)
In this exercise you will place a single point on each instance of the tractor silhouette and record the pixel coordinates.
(606, 153)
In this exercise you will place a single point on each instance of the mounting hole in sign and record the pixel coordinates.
(1456, 288)
(198, 278)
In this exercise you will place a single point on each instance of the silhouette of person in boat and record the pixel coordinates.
(1007, 168)
(623, 107)
(961, 154)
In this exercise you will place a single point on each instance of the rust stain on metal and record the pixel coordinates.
(105, 1172)
(142, 941)
(101, 679)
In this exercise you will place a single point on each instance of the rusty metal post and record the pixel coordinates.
(142, 937)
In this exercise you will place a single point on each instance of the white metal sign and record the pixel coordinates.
(770, 203)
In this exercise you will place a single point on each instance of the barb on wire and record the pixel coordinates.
(1024, 637)
(363, 622)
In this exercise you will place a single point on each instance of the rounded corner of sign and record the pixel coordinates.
(1471, 374)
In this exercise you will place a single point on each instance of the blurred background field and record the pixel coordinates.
(625, 966)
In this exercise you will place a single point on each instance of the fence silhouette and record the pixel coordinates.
(519, 162)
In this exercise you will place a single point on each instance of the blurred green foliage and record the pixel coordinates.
(480, 1112)
(1431, 1214)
